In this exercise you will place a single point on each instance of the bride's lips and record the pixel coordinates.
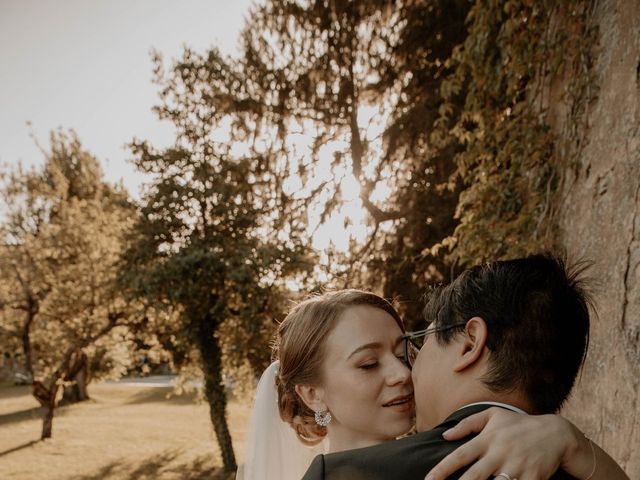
(401, 403)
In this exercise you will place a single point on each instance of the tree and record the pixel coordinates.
(217, 235)
(62, 237)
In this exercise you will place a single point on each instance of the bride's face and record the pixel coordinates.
(365, 383)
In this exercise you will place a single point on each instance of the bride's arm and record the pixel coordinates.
(524, 447)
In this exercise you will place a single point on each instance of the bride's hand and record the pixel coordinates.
(526, 447)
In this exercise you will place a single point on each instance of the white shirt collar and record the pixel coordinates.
(497, 404)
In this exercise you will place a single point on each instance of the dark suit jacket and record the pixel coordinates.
(408, 458)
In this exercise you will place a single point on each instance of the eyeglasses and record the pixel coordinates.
(413, 341)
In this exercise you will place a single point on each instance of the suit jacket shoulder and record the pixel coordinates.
(408, 458)
(316, 469)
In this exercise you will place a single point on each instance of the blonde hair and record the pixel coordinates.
(299, 348)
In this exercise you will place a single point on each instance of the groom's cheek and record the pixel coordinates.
(430, 384)
(417, 376)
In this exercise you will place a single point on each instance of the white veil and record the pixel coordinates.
(272, 449)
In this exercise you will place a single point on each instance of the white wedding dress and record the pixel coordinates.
(272, 449)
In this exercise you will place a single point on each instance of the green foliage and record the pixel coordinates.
(509, 162)
(203, 247)
(217, 235)
(62, 236)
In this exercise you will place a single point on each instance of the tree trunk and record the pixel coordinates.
(214, 391)
(77, 391)
(47, 421)
(32, 310)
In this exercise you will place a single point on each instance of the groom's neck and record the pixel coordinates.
(430, 416)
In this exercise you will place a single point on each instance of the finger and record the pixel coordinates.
(530, 476)
(532, 471)
(484, 469)
(472, 424)
(460, 457)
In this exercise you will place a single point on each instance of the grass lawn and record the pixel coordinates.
(123, 432)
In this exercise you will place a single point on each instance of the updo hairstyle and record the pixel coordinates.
(300, 348)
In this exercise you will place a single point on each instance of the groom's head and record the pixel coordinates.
(512, 331)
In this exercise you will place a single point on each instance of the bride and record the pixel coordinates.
(340, 382)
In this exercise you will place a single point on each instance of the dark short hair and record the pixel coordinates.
(537, 315)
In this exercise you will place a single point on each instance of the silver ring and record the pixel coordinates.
(506, 476)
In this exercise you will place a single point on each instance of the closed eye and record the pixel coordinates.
(369, 366)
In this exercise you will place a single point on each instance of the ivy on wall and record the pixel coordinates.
(518, 56)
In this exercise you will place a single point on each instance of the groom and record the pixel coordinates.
(512, 333)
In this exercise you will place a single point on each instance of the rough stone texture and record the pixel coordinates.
(600, 220)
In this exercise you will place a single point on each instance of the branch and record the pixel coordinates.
(112, 321)
(359, 255)
(357, 154)
(380, 216)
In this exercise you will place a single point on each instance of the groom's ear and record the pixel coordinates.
(473, 344)
(312, 397)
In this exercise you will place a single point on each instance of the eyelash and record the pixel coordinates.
(371, 366)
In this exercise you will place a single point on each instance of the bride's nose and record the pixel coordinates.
(398, 373)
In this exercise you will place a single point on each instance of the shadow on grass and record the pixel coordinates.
(33, 413)
(8, 390)
(159, 395)
(162, 465)
(19, 447)
(22, 415)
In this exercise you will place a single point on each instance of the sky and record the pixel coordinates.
(85, 65)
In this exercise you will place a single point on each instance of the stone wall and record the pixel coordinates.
(600, 220)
